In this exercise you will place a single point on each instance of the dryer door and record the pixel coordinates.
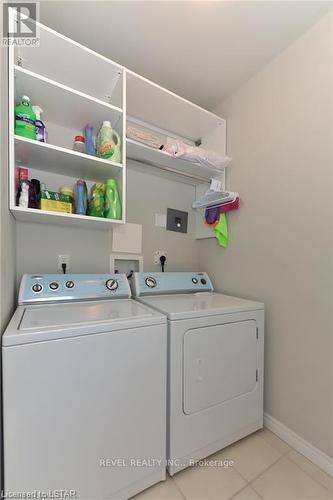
(220, 363)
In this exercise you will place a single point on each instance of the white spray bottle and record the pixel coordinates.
(41, 134)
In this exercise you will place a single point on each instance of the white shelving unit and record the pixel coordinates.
(157, 108)
(76, 86)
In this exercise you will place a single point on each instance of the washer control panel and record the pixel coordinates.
(37, 288)
(163, 283)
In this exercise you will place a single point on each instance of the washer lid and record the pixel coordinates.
(184, 306)
(50, 322)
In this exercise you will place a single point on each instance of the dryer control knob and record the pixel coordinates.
(53, 285)
(150, 282)
(195, 281)
(37, 288)
(111, 284)
(69, 284)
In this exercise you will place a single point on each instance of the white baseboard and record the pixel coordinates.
(299, 444)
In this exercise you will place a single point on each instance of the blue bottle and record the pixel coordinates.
(89, 144)
(80, 194)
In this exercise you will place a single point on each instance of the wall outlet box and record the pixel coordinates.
(158, 254)
(177, 220)
(127, 238)
(63, 259)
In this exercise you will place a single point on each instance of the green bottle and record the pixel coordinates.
(97, 200)
(25, 119)
(112, 200)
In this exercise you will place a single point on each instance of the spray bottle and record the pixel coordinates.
(41, 134)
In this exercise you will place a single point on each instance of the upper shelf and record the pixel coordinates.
(78, 67)
(152, 104)
(159, 159)
(63, 105)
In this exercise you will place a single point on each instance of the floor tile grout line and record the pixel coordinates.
(263, 472)
(244, 487)
(249, 481)
(241, 475)
(306, 473)
(177, 487)
(238, 491)
(291, 450)
(283, 453)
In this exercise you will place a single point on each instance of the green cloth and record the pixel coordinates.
(221, 231)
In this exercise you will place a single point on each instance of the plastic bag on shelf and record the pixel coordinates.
(196, 154)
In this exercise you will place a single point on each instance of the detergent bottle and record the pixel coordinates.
(112, 200)
(108, 143)
(25, 119)
(97, 200)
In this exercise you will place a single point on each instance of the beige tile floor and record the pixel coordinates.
(264, 468)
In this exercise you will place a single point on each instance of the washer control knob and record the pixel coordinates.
(69, 284)
(203, 281)
(54, 285)
(111, 284)
(195, 281)
(37, 288)
(150, 282)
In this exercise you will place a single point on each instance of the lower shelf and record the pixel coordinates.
(63, 219)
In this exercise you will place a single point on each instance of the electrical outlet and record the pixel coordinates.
(158, 254)
(63, 259)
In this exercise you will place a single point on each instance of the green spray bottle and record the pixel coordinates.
(25, 119)
(112, 200)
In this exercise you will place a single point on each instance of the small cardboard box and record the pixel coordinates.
(55, 206)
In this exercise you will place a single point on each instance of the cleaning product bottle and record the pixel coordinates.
(36, 187)
(80, 194)
(112, 200)
(89, 144)
(25, 119)
(97, 200)
(23, 196)
(27, 195)
(41, 134)
(79, 144)
(108, 143)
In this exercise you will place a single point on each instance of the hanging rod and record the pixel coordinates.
(174, 171)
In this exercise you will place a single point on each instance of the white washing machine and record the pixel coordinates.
(215, 363)
(84, 389)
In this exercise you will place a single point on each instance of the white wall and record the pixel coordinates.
(7, 223)
(280, 138)
(39, 245)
